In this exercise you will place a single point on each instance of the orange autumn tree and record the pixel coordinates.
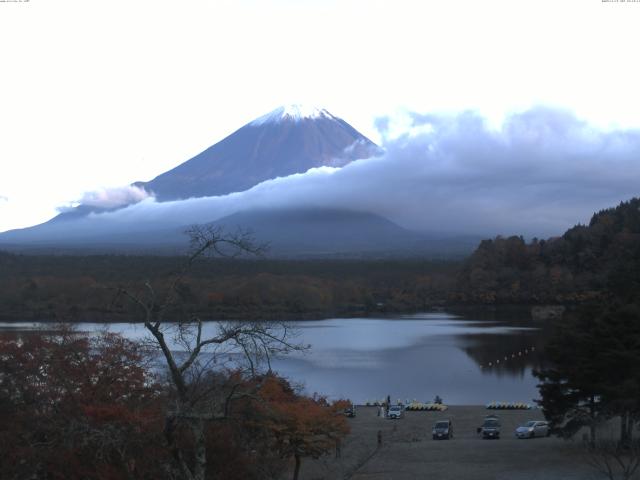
(301, 426)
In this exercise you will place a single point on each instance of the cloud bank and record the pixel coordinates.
(540, 172)
(115, 197)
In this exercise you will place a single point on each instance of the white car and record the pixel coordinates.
(534, 428)
(395, 411)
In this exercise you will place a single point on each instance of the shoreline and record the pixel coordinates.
(484, 312)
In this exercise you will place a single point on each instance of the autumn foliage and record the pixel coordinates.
(74, 406)
(301, 426)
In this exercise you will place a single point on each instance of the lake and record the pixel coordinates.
(465, 359)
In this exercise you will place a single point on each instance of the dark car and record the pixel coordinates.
(442, 430)
(350, 411)
(490, 427)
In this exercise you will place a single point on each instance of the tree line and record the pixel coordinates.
(585, 264)
(79, 288)
(595, 262)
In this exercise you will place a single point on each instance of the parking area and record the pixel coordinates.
(409, 452)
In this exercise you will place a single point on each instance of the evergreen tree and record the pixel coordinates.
(594, 371)
(571, 388)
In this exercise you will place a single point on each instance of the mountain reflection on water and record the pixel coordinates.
(474, 357)
(460, 358)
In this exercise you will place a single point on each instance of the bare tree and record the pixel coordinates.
(613, 459)
(190, 348)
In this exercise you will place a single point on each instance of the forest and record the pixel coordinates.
(81, 288)
(588, 262)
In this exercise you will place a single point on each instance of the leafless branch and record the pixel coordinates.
(199, 398)
(612, 459)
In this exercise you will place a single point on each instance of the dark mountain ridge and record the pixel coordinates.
(311, 232)
(289, 233)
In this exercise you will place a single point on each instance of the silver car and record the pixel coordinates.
(534, 428)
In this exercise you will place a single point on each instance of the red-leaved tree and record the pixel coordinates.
(74, 406)
(301, 426)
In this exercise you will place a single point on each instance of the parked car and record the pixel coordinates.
(442, 430)
(490, 427)
(534, 428)
(350, 411)
(395, 411)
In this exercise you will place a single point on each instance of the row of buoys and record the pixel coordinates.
(509, 406)
(428, 407)
(509, 357)
(413, 405)
(375, 403)
(379, 403)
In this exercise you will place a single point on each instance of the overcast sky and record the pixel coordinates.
(98, 94)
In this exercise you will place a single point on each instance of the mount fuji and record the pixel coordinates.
(220, 186)
(291, 139)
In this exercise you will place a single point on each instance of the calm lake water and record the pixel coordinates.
(463, 359)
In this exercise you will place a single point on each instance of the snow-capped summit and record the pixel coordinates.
(291, 139)
(294, 112)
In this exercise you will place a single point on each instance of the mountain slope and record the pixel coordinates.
(289, 232)
(291, 139)
(322, 231)
(311, 232)
(288, 140)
